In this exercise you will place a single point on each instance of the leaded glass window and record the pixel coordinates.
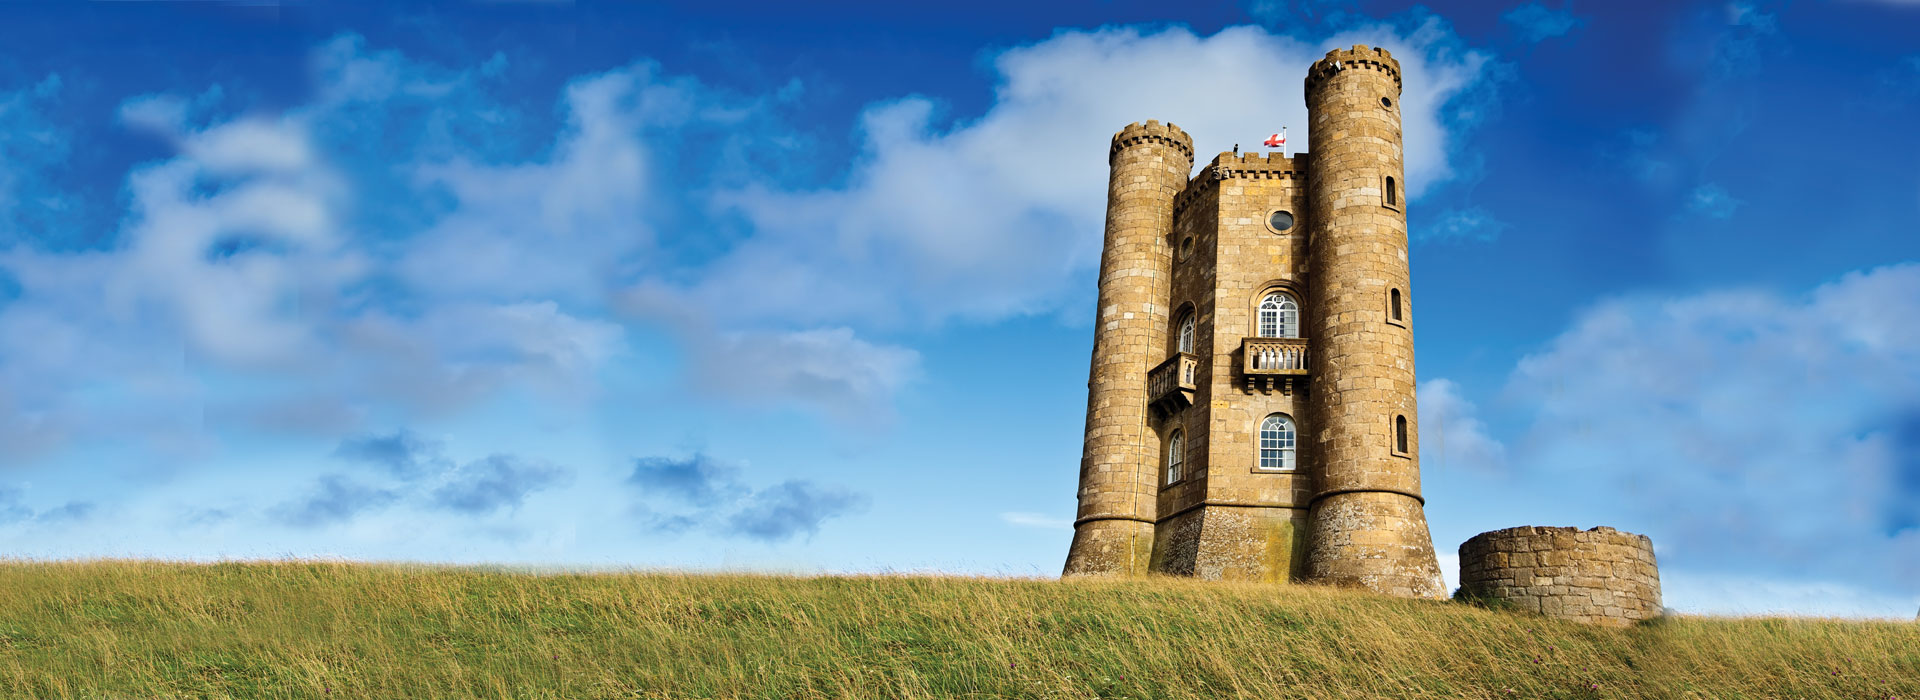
(1276, 442)
(1279, 316)
(1176, 454)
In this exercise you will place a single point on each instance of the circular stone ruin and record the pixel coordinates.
(1600, 576)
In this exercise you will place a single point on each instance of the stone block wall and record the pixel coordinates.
(1600, 576)
(1369, 523)
(1113, 532)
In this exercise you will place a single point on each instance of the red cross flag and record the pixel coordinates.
(1276, 141)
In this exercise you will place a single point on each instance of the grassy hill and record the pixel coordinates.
(323, 630)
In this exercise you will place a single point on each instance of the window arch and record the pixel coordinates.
(1186, 333)
(1279, 316)
(1393, 306)
(1393, 197)
(1400, 434)
(1176, 455)
(1277, 438)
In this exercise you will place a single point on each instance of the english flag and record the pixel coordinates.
(1276, 141)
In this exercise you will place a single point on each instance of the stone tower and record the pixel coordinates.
(1250, 410)
(1113, 531)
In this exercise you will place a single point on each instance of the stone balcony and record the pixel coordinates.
(1171, 385)
(1270, 363)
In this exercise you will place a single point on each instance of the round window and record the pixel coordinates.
(1386, 102)
(1186, 248)
(1280, 221)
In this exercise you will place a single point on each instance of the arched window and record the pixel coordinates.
(1393, 197)
(1279, 316)
(1400, 434)
(1176, 454)
(1394, 305)
(1276, 442)
(1186, 333)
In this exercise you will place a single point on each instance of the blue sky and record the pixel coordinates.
(809, 290)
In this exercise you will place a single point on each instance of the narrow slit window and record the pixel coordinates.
(1393, 197)
(1393, 299)
(1400, 434)
(1277, 442)
(1176, 454)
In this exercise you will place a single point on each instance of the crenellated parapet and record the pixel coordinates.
(1244, 166)
(1357, 58)
(1150, 131)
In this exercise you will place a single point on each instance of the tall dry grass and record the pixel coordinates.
(118, 629)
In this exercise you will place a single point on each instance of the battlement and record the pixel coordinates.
(1360, 57)
(1151, 131)
(1257, 165)
(1247, 166)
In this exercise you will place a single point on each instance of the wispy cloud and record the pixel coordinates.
(696, 480)
(1451, 432)
(710, 496)
(791, 508)
(333, 499)
(498, 481)
(14, 509)
(1670, 409)
(1712, 201)
(1000, 206)
(1474, 224)
(403, 453)
(421, 476)
(1535, 23)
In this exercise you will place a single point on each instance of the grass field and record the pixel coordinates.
(325, 630)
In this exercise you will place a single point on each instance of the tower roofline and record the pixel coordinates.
(1151, 130)
(1360, 57)
(1253, 166)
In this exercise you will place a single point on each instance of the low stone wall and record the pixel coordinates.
(1601, 576)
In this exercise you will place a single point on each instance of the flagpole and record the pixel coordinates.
(1284, 150)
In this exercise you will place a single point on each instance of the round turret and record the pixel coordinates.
(1113, 533)
(1368, 527)
(1601, 576)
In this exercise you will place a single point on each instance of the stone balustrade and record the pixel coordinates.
(1274, 356)
(1171, 385)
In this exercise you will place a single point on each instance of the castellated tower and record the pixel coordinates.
(1250, 408)
(1369, 525)
(1114, 528)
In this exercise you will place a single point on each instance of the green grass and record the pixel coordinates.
(119, 629)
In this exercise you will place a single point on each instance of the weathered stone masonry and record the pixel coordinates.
(1602, 576)
(1113, 532)
(1350, 511)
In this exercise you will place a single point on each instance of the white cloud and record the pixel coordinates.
(1754, 433)
(559, 227)
(853, 379)
(398, 240)
(1452, 435)
(1001, 214)
(245, 256)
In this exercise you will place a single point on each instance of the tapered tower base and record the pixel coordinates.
(1110, 549)
(1374, 540)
